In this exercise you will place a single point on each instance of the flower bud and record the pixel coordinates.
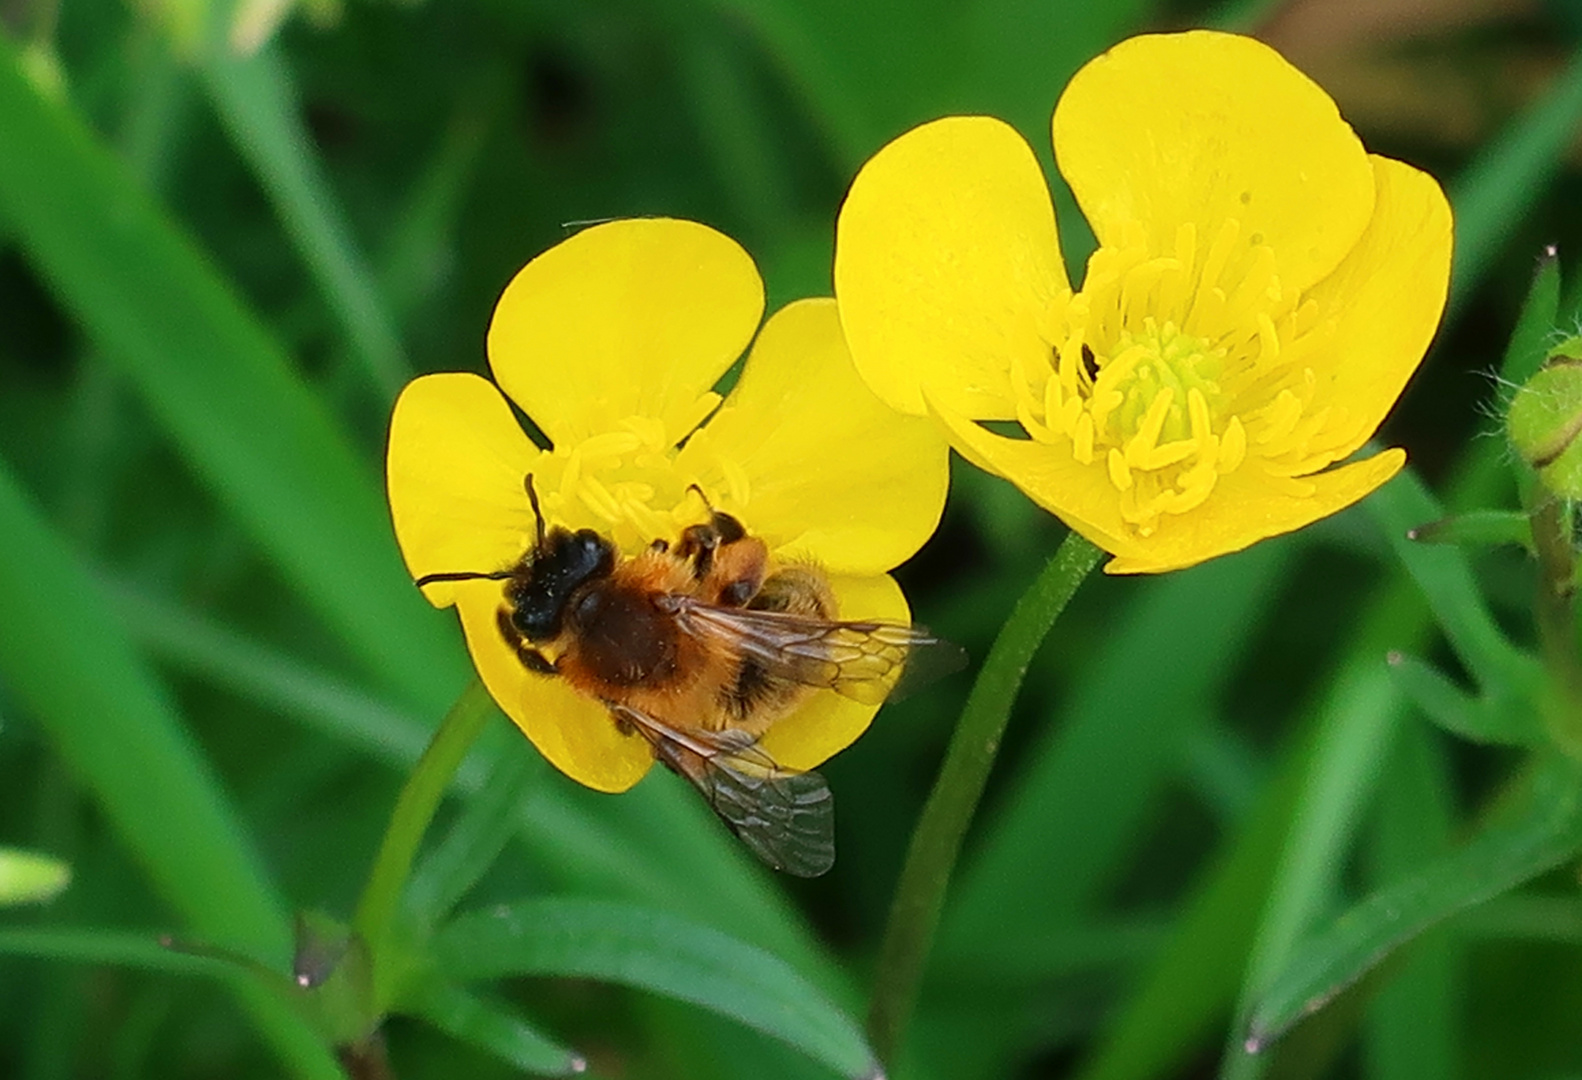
(1545, 420)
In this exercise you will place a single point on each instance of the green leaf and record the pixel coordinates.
(650, 950)
(1086, 785)
(114, 726)
(256, 101)
(213, 377)
(1509, 175)
(1477, 528)
(1358, 719)
(1446, 580)
(492, 1029)
(108, 947)
(1413, 1026)
(488, 823)
(1545, 832)
(27, 877)
(1193, 978)
(1535, 326)
(1506, 720)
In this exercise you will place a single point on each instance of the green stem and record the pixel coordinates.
(920, 893)
(376, 911)
(1554, 613)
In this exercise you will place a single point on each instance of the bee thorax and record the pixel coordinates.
(622, 638)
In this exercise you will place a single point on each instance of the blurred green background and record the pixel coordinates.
(228, 236)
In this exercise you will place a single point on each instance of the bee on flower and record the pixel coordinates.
(678, 576)
(1262, 290)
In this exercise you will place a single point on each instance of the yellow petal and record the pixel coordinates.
(1082, 496)
(629, 318)
(1243, 510)
(574, 732)
(1202, 128)
(831, 472)
(456, 462)
(945, 259)
(828, 723)
(1386, 299)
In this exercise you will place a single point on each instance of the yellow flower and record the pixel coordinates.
(612, 342)
(1262, 290)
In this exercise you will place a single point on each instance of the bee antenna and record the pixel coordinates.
(464, 575)
(702, 495)
(538, 515)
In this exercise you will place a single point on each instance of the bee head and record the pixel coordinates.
(563, 563)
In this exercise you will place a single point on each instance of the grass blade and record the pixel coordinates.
(1509, 175)
(257, 103)
(1546, 832)
(1084, 790)
(490, 1028)
(1359, 720)
(650, 950)
(251, 429)
(1445, 577)
(1413, 1028)
(112, 723)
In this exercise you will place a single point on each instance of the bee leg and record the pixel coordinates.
(530, 657)
(661, 545)
(698, 544)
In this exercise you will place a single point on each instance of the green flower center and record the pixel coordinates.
(1171, 372)
(624, 482)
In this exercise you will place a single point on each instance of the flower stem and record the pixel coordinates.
(1556, 619)
(414, 808)
(920, 893)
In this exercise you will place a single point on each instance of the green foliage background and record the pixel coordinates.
(216, 270)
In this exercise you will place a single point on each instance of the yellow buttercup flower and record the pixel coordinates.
(612, 343)
(1262, 290)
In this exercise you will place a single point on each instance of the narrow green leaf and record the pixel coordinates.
(1413, 1028)
(476, 839)
(1509, 175)
(1543, 834)
(1479, 528)
(1535, 325)
(109, 947)
(1447, 581)
(323, 702)
(256, 101)
(1505, 720)
(650, 950)
(1086, 785)
(27, 877)
(114, 726)
(248, 425)
(1192, 981)
(490, 1028)
(1358, 721)
(1519, 917)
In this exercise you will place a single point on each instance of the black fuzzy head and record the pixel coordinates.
(565, 562)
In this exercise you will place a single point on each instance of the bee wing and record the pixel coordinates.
(786, 818)
(865, 661)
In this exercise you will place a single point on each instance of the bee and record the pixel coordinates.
(699, 648)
